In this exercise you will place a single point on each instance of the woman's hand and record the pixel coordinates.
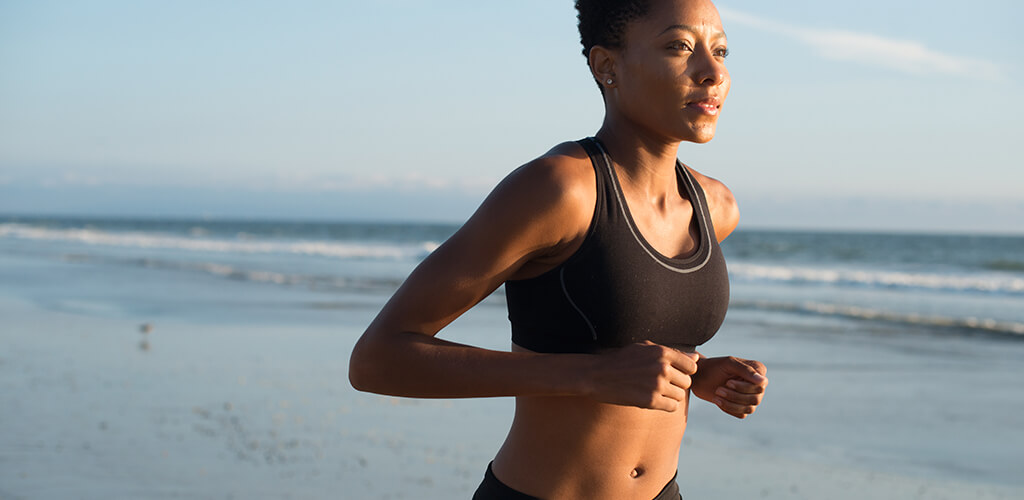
(735, 385)
(645, 375)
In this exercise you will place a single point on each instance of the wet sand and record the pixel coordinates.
(265, 411)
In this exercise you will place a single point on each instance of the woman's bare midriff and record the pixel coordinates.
(576, 447)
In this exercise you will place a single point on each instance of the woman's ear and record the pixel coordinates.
(602, 66)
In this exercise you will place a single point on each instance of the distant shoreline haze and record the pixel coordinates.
(451, 205)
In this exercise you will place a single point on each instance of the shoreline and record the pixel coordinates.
(247, 410)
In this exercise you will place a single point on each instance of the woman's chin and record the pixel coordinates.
(701, 136)
(700, 132)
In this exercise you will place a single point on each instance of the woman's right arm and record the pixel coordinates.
(538, 214)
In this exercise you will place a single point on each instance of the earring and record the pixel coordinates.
(609, 81)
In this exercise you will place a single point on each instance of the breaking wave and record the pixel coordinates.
(242, 243)
(975, 324)
(1004, 283)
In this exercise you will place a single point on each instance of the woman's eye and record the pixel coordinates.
(680, 46)
(722, 52)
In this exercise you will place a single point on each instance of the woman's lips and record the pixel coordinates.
(709, 106)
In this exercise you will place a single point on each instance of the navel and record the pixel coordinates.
(636, 472)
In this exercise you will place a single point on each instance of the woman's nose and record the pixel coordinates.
(709, 70)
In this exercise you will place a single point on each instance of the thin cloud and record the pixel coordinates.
(411, 181)
(906, 56)
(281, 180)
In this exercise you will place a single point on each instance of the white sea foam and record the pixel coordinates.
(322, 281)
(241, 244)
(988, 282)
(867, 313)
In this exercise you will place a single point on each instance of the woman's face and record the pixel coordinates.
(670, 77)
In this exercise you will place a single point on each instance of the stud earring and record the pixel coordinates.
(609, 81)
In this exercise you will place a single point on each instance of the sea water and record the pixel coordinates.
(954, 284)
(890, 352)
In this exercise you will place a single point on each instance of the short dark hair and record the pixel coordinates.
(603, 22)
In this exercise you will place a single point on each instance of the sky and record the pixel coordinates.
(874, 115)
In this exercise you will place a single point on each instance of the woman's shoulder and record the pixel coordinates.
(564, 169)
(537, 213)
(554, 193)
(559, 181)
(725, 212)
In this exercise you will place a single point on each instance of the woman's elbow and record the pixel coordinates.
(362, 367)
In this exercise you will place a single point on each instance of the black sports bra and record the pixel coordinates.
(616, 289)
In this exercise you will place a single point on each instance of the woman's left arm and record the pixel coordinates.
(733, 384)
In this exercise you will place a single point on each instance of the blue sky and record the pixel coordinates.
(889, 115)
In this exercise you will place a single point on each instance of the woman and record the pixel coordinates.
(609, 252)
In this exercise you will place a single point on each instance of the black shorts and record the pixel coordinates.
(493, 489)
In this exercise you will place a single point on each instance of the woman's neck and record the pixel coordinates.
(647, 163)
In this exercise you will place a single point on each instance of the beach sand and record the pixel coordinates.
(95, 407)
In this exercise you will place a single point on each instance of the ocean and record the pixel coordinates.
(891, 355)
(951, 284)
